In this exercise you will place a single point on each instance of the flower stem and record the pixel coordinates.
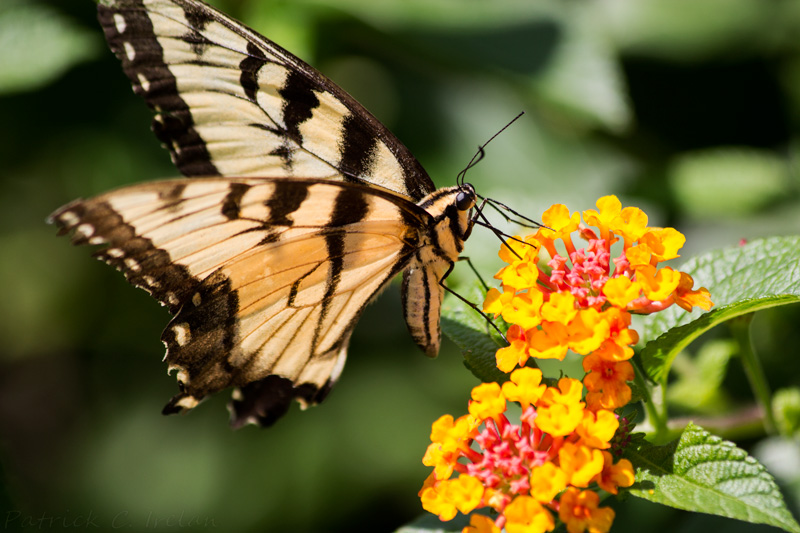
(740, 327)
(654, 403)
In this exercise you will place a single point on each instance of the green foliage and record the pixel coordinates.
(39, 45)
(786, 406)
(743, 279)
(476, 339)
(703, 473)
(688, 109)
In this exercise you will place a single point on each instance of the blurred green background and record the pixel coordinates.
(688, 109)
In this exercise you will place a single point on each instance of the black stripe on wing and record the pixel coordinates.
(132, 39)
(144, 265)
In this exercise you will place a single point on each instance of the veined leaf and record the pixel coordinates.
(472, 335)
(761, 274)
(703, 473)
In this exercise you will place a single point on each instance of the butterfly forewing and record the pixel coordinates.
(303, 207)
(230, 102)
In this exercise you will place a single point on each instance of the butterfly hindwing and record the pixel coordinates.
(276, 273)
(230, 102)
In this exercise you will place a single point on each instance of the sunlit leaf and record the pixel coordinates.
(742, 279)
(703, 473)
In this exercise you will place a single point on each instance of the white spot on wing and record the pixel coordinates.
(130, 51)
(144, 82)
(119, 22)
(69, 219)
(182, 336)
(172, 299)
(132, 264)
(196, 299)
(86, 230)
(189, 402)
(115, 252)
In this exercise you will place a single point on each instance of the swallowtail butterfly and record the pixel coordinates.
(297, 208)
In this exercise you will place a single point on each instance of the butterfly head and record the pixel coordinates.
(466, 197)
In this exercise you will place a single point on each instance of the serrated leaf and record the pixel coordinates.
(742, 279)
(703, 473)
(471, 333)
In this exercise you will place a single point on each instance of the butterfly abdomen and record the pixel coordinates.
(443, 241)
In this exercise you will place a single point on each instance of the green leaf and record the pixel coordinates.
(583, 54)
(699, 384)
(703, 473)
(742, 279)
(39, 45)
(471, 333)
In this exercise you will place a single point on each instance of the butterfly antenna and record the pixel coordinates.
(501, 208)
(480, 153)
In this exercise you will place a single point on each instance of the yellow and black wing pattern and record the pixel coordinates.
(297, 209)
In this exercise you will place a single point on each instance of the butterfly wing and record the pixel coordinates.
(266, 277)
(230, 102)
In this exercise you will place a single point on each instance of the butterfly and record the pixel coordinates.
(297, 208)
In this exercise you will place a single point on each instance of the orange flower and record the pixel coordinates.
(526, 515)
(613, 475)
(479, 523)
(579, 511)
(583, 303)
(518, 469)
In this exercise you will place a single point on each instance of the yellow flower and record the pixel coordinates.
(523, 310)
(608, 216)
(597, 428)
(621, 291)
(664, 243)
(525, 386)
(488, 401)
(547, 481)
(588, 331)
(631, 224)
(560, 409)
(580, 463)
(560, 308)
(444, 498)
(526, 515)
(550, 342)
(657, 284)
(479, 523)
(559, 420)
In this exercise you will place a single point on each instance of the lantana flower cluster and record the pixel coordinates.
(585, 299)
(531, 472)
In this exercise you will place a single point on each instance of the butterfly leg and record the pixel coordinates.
(477, 274)
(470, 304)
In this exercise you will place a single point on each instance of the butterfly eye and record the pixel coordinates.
(464, 201)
